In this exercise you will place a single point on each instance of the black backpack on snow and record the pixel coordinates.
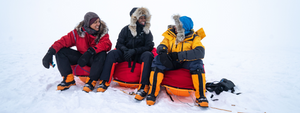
(223, 85)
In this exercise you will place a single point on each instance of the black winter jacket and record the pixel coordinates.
(141, 43)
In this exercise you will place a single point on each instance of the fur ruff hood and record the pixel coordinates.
(180, 31)
(102, 31)
(134, 18)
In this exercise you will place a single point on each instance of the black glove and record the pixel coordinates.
(85, 58)
(123, 48)
(128, 54)
(48, 58)
(174, 56)
(161, 49)
(166, 60)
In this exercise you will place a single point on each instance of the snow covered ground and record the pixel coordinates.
(253, 43)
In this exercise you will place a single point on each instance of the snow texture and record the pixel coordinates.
(253, 43)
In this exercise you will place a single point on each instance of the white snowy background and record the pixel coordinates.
(254, 43)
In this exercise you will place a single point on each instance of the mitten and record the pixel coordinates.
(85, 58)
(48, 58)
(161, 49)
(166, 60)
(123, 48)
(128, 54)
(174, 56)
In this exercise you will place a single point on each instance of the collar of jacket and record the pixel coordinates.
(134, 18)
(89, 30)
(102, 31)
(170, 35)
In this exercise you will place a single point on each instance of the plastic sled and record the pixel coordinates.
(123, 75)
(81, 72)
(178, 82)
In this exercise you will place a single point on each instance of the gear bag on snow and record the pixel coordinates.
(223, 85)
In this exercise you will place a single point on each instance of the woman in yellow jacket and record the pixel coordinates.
(181, 48)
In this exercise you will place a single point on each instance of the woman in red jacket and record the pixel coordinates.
(92, 42)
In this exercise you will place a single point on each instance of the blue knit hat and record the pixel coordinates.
(187, 24)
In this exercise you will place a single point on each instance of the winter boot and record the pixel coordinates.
(103, 86)
(142, 92)
(66, 83)
(202, 101)
(198, 77)
(156, 77)
(150, 100)
(89, 85)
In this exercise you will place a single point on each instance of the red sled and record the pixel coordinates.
(124, 77)
(81, 72)
(178, 82)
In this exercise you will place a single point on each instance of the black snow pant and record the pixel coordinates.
(66, 57)
(118, 56)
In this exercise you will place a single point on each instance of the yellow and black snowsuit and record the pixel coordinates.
(190, 49)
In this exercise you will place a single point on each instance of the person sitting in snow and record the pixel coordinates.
(180, 48)
(135, 43)
(92, 41)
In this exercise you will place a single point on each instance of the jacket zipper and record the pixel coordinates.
(182, 47)
(171, 48)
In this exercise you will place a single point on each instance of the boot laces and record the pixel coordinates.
(86, 85)
(140, 92)
(63, 83)
(202, 99)
(102, 85)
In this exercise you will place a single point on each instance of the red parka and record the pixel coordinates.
(83, 40)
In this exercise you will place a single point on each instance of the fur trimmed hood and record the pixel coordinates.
(134, 18)
(180, 31)
(102, 31)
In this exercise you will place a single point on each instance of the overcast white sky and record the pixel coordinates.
(233, 22)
